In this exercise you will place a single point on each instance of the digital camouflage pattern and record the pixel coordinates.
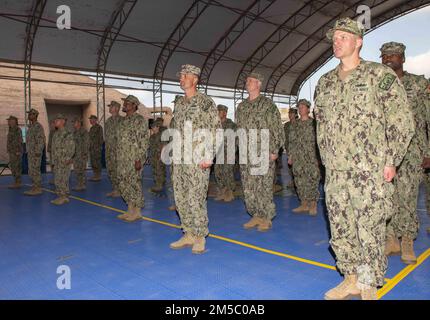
(96, 145)
(303, 153)
(14, 149)
(80, 158)
(190, 182)
(63, 149)
(35, 143)
(364, 123)
(111, 148)
(133, 142)
(158, 167)
(261, 113)
(224, 173)
(404, 222)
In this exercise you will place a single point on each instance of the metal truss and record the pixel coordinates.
(377, 22)
(281, 32)
(245, 19)
(175, 38)
(31, 30)
(118, 19)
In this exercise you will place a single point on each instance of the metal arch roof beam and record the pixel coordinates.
(296, 19)
(175, 38)
(239, 26)
(316, 38)
(117, 21)
(382, 19)
(31, 30)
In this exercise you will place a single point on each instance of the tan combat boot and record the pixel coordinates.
(368, 293)
(127, 214)
(313, 208)
(97, 177)
(221, 194)
(187, 240)
(16, 185)
(60, 200)
(199, 245)
(79, 187)
(277, 188)
(254, 222)
(228, 195)
(345, 290)
(135, 215)
(265, 225)
(172, 208)
(34, 191)
(408, 254)
(113, 194)
(392, 246)
(304, 207)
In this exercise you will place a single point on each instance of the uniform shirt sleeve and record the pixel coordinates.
(277, 134)
(321, 121)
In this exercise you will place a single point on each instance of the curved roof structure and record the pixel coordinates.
(283, 40)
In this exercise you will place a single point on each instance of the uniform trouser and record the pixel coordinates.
(15, 165)
(307, 179)
(96, 160)
(34, 170)
(358, 204)
(112, 169)
(158, 172)
(426, 180)
(130, 184)
(170, 193)
(258, 192)
(290, 172)
(61, 179)
(190, 185)
(79, 166)
(224, 174)
(404, 220)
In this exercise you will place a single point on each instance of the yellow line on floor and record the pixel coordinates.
(240, 243)
(402, 274)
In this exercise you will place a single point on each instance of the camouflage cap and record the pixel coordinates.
(12, 118)
(77, 119)
(93, 117)
(189, 68)
(292, 110)
(347, 25)
(113, 103)
(132, 99)
(305, 102)
(393, 48)
(60, 116)
(33, 111)
(256, 75)
(222, 107)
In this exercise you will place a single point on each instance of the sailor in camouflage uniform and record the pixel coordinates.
(404, 221)
(155, 147)
(303, 157)
(52, 130)
(63, 149)
(224, 172)
(14, 149)
(133, 142)
(364, 126)
(96, 145)
(35, 144)
(111, 145)
(191, 176)
(259, 113)
(292, 115)
(80, 159)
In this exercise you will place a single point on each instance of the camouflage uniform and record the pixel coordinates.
(14, 148)
(111, 144)
(190, 182)
(261, 113)
(63, 149)
(303, 152)
(80, 159)
(364, 123)
(133, 141)
(158, 167)
(96, 145)
(224, 173)
(35, 143)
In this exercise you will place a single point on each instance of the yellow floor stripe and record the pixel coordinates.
(243, 244)
(402, 274)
